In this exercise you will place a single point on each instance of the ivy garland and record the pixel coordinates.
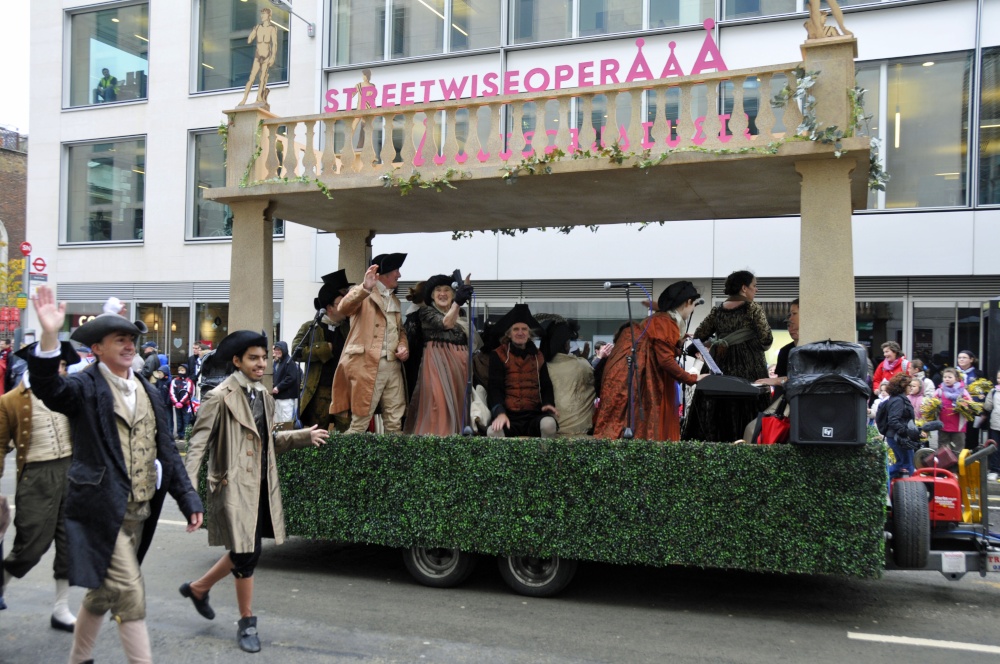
(406, 185)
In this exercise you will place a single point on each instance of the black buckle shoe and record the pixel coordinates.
(246, 635)
(201, 605)
(58, 624)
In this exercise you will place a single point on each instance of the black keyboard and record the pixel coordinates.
(729, 386)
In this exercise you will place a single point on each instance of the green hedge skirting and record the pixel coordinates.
(781, 508)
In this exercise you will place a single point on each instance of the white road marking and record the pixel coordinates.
(927, 643)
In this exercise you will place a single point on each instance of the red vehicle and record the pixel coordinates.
(939, 519)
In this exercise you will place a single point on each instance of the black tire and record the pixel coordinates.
(911, 525)
(536, 577)
(438, 567)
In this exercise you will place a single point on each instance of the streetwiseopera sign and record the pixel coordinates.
(366, 95)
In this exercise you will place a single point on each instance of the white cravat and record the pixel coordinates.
(127, 386)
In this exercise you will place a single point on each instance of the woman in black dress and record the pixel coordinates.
(739, 335)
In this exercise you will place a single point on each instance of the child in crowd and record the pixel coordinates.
(951, 390)
(883, 395)
(992, 406)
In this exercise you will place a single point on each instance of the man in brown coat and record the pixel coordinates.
(235, 427)
(370, 371)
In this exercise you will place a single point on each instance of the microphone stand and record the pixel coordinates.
(466, 412)
(628, 433)
(680, 361)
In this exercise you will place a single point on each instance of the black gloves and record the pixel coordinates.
(463, 294)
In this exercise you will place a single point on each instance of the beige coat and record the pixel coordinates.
(225, 429)
(354, 382)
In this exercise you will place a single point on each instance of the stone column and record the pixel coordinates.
(242, 143)
(355, 253)
(826, 282)
(251, 286)
(833, 58)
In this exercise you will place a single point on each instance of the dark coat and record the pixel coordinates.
(99, 484)
(286, 375)
(899, 412)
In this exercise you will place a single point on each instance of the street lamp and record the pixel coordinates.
(284, 4)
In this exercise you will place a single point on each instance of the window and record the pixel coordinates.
(749, 8)
(668, 13)
(600, 17)
(989, 129)
(540, 20)
(106, 192)
(924, 145)
(225, 56)
(209, 219)
(108, 55)
(927, 143)
(417, 28)
(942, 329)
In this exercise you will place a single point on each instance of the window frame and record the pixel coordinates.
(65, 148)
(67, 46)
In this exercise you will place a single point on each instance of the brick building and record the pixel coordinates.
(13, 190)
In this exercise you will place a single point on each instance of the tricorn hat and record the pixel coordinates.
(388, 262)
(94, 330)
(558, 333)
(676, 294)
(236, 343)
(66, 352)
(334, 284)
(519, 314)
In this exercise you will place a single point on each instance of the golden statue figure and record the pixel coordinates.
(366, 82)
(267, 50)
(816, 26)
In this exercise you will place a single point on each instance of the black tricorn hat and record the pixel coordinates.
(94, 330)
(334, 284)
(519, 314)
(676, 294)
(558, 333)
(236, 343)
(66, 353)
(388, 262)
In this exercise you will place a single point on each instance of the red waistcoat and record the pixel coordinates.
(522, 383)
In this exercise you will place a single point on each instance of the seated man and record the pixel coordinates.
(107, 88)
(520, 392)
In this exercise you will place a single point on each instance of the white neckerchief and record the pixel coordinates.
(26, 380)
(391, 303)
(127, 386)
(248, 384)
(329, 323)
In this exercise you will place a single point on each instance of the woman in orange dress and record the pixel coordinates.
(657, 371)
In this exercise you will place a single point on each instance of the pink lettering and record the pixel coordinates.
(537, 71)
(350, 96)
(406, 93)
(549, 149)
(426, 85)
(453, 90)
(510, 81)
(640, 70)
(586, 74)
(609, 69)
(673, 66)
(563, 74)
(699, 137)
(709, 56)
(647, 141)
(475, 86)
(331, 102)
(368, 97)
(574, 139)
(490, 88)
(671, 140)
(389, 94)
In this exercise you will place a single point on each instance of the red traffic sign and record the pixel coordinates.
(38, 265)
(26, 248)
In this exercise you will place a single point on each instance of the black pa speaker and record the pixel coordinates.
(829, 419)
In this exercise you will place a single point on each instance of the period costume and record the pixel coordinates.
(234, 429)
(572, 380)
(657, 373)
(438, 399)
(321, 353)
(519, 383)
(286, 382)
(44, 452)
(120, 432)
(369, 374)
(741, 335)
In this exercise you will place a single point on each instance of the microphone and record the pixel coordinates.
(456, 279)
(700, 300)
(319, 315)
(618, 284)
